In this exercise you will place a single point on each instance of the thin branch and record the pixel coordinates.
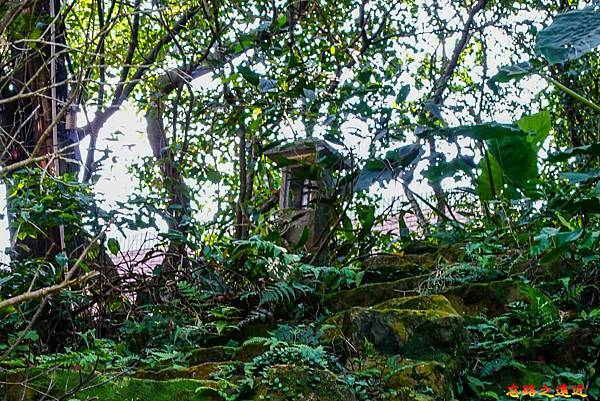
(68, 281)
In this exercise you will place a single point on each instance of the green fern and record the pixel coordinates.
(499, 363)
(283, 292)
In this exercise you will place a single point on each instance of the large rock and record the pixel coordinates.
(422, 327)
(372, 294)
(383, 268)
(569, 346)
(243, 353)
(422, 377)
(33, 385)
(291, 382)
(391, 267)
(201, 371)
(493, 298)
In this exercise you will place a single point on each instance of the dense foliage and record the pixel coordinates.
(483, 116)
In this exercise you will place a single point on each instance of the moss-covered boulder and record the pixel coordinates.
(38, 384)
(423, 377)
(416, 327)
(291, 382)
(492, 298)
(372, 294)
(409, 395)
(243, 353)
(200, 371)
(389, 267)
(570, 346)
(418, 302)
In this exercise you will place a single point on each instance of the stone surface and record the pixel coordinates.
(372, 294)
(243, 353)
(399, 327)
(382, 268)
(571, 346)
(492, 298)
(200, 371)
(103, 387)
(422, 377)
(290, 382)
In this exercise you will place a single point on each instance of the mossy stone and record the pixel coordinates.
(571, 346)
(243, 353)
(384, 268)
(422, 376)
(418, 302)
(372, 294)
(291, 382)
(104, 387)
(492, 298)
(410, 333)
(200, 371)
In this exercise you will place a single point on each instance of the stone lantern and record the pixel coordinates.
(307, 191)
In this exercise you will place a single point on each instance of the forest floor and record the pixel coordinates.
(422, 326)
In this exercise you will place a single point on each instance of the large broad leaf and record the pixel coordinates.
(508, 168)
(586, 150)
(509, 72)
(388, 168)
(518, 159)
(442, 169)
(575, 178)
(491, 180)
(480, 132)
(570, 35)
(249, 75)
(537, 126)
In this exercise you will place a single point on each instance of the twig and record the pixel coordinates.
(67, 281)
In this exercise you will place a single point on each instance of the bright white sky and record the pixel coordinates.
(116, 184)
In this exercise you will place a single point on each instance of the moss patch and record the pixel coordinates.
(243, 353)
(290, 382)
(372, 294)
(422, 376)
(103, 387)
(493, 298)
(200, 371)
(418, 302)
(410, 333)
(382, 268)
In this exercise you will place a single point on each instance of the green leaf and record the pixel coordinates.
(249, 75)
(61, 259)
(281, 20)
(480, 132)
(553, 255)
(491, 180)
(267, 85)
(388, 168)
(574, 178)
(403, 94)
(31, 335)
(518, 160)
(587, 150)
(113, 246)
(537, 126)
(511, 72)
(220, 326)
(570, 35)
(303, 239)
(442, 169)
(566, 237)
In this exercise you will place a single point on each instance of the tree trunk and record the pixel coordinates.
(28, 120)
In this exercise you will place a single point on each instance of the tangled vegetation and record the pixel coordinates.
(439, 242)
